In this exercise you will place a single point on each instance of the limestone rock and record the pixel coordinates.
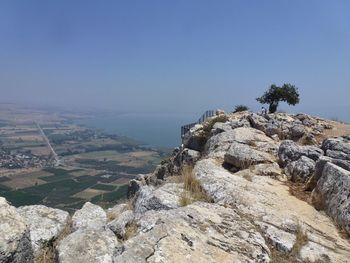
(220, 127)
(239, 123)
(282, 240)
(268, 201)
(197, 233)
(15, 245)
(194, 138)
(165, 197)
(338, 148)
(89, 246)
(332, 193)
(267, 169)
(218, 145)
(90, 216)
(118, 225)
(289, 151)
(187, 157)
(46, 224)
(242, 156)
(300, 170)
(258, 122)
(297, 131)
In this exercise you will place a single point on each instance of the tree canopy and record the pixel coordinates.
(287, 93)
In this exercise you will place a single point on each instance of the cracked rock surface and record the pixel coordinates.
(200, 232)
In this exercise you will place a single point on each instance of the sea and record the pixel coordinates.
(160, 130)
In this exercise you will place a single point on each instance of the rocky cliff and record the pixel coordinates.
(241, 188)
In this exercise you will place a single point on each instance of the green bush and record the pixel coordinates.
(240, 108)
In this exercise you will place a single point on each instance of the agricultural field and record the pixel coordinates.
(47, 159)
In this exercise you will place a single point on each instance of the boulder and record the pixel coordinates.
(338, 148)
(297, 131)
(273, 127)
(45, 224)
(218, 145)
(332, 193)
(338, 155)
(267, 169)
(242, 156)
(15, 245)
(220, 127)
(90, 216)
(239, 123)
(300, 170)
(258, 122)
(290, 151)
(319, 166)
(187, 157)
(89, 246)
(164, 198)
(194, 139)
(311, 184)
(118, 225)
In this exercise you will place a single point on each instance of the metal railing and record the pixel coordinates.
(206, 115)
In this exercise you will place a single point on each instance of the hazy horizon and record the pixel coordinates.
(175, 58)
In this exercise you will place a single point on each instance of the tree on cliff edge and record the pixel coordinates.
(288, 93)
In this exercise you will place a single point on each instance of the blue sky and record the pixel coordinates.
(180, 56)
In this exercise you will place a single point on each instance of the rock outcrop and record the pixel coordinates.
(15, 244)
(88, 246)
(200, 232)
(163, 198)
(45, 224)
(89, 216)
(332, 194)
(244, 201)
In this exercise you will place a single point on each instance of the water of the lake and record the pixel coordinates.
(151, 129)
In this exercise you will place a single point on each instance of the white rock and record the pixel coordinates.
(88, 246)
(264, 199)
(15, 245)
(165, 197)
(197, 233)
(332, 193)
(89, 216)
(242, 156)
(118, 226)
(45, 224)
(300, 170)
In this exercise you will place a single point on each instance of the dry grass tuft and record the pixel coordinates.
(192, 188)
(248, 175)
(307, 140)
(292, 257)
(130, 230)
(48, 253)
(301, 240)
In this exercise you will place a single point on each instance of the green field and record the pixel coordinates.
(60, 188)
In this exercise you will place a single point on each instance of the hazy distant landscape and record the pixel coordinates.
(92, 165)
